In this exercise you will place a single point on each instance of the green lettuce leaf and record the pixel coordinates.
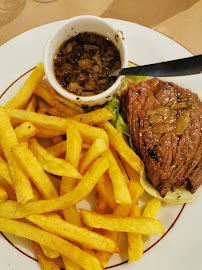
(119, 121)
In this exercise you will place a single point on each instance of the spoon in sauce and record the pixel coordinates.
(179, 67)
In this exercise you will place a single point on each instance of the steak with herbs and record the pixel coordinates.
(165, 122)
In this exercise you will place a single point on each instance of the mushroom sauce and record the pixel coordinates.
(83, 62)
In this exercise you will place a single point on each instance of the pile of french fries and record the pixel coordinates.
(41, 135)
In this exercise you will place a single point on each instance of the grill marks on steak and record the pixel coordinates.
(165, 122)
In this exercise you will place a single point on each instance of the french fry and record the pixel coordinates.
(152, 208)
(119, 162)
(105, 189)
(8, 139)
(32, 104)
(70, 265)
(97, 148)
(49, 98)
(73, 145)
(142, 225)
(50, 163)
(48, 133)
(135, 242)
(136, 191)
(64, 100)
(25, 131)
(54, 112)
(132, 173)
(104, 257)
(66, 230)
(57, 139)
(5, 173)
(50, 253)
(73, 153)
(40, 120)
(88, 133)
(9, 190)
(13, 210)
(3, 194)
(117, 141)
(94, 117)
(45, 263)
(85, 260)
(23, 96)
(24, 144)
(101, 205)
(32, 167)
(121, 193)
(59, 149)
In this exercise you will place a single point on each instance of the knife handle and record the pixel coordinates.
(179, 67)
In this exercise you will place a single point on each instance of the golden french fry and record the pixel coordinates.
(54, 112)
(132, 173)
(32, 167)
(64, 100)
(48, 133)
(50, 163)
(72, 215)
(3, 194)
(25, 131)
(87, 132)
(85, 260)
(73, 153)
(50, 253)
(97, 148)
(41, 111)
(135, 242)
(32, 104)
(13, 210)
(23, 96)
(73, 145)
(5, 173)
(119, 144)
(57, 139)
(136, 191)
(94, 117)
(59, 149)
(66, 230)
(40, 120)
(142, 225)
(45, 262)
(90, 133)
(101, 205)
(105, 189)
(104, 257)
(25, 144)
(152, 208)
(9, 190)
(119, 162)
(49, 98)
(8, 139)
(121, 193)
(70, 265)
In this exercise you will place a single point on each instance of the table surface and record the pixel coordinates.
(180, 20)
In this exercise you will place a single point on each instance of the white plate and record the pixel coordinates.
(181, 247)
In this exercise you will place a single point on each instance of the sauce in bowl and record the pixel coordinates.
(82, 63)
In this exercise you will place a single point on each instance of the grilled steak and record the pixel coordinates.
(165, 122)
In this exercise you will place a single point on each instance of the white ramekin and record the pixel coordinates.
(72, 27)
